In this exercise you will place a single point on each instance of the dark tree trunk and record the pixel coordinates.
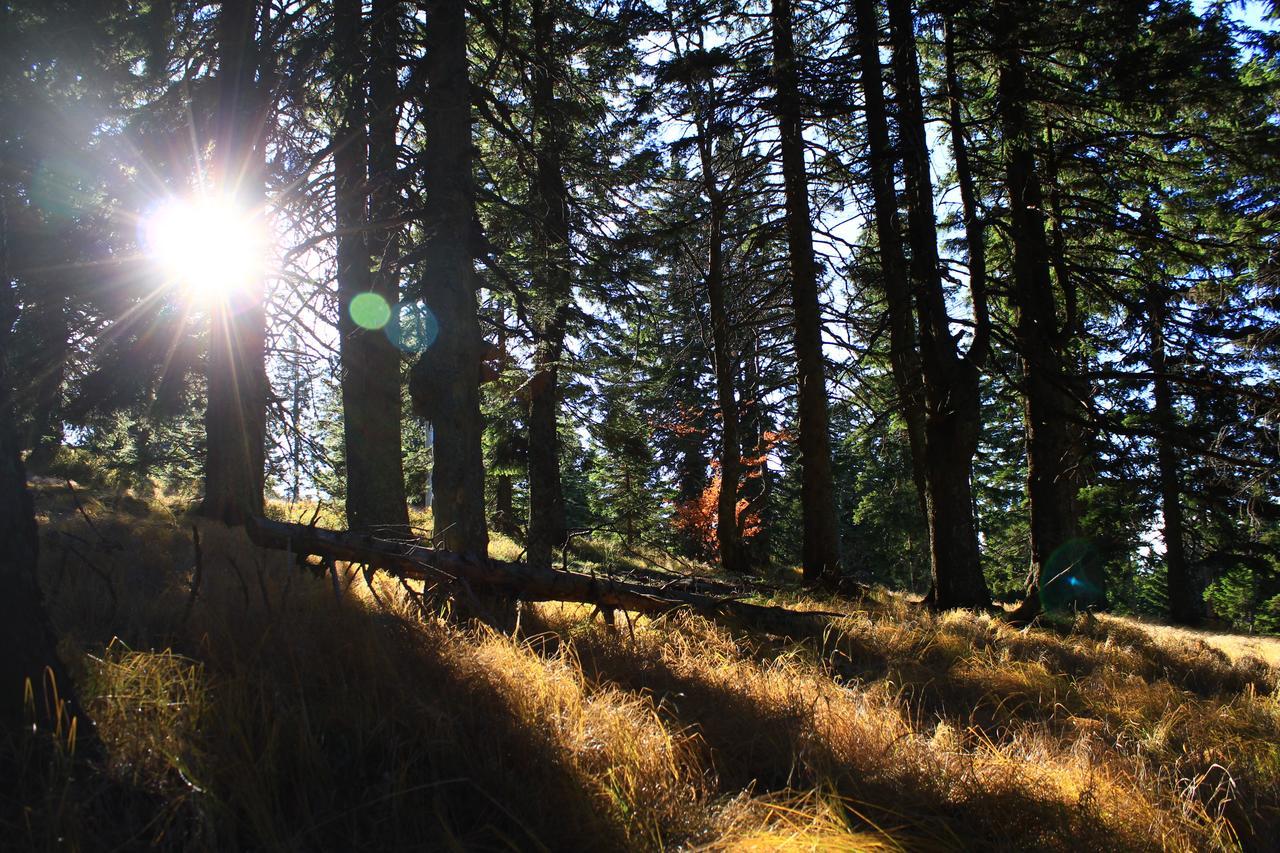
(451, 571)
(725, 362)
(445, 381)
(552, 277)
(728, 531)
(504, 513)
(51, 329)
(691, 466)
(629, 522)
(26, 637)
(370, 362)
(952, 413)
(1048, 405)
(733, 555)
(236, 417)
(1185, 601)
(903, 356)
(757, 482)
(821, 549)
(974, 227)
(385, 212)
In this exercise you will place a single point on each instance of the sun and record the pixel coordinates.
(210, 247)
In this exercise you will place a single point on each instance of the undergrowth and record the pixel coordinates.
(286, 709)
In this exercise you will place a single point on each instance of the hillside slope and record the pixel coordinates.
(273, 711)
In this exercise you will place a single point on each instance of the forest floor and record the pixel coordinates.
(276, 711)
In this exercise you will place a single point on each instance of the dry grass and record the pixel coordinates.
(282, 716)
(1239, 647)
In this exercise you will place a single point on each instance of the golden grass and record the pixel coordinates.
(1237, 646)
(283, 716)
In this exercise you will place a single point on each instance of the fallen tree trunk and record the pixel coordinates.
(521, 581)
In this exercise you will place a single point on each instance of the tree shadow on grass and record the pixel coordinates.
(775, 745)
(280, 717)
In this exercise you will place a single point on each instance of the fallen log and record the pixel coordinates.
(414, 561)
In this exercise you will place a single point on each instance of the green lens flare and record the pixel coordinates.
(370, 311)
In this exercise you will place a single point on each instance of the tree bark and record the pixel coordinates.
(951, 397)
(236, 414)
(757, 478)
(1047, 404)
(552, 279)
(903, 356)
(370, 362)
(733, 555)
(821, 548)
(1185, 603)
(445, 380)
(26, 636)
(51, 329)
(385, 212)
(974, 227)
(504, 513)
(728, 531)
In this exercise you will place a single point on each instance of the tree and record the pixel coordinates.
(445, 380)
(365, 167)
(552, 284)
(821, 552)
(236, 414)
(1049, 405)
(903, 353)
(694, 70)
(30, 647)
(938, 384)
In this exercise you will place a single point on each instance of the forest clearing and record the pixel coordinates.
(639, 424)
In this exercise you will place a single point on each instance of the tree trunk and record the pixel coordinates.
(27, 638)
(236, 416)
(1185, 603)
(974, 227)
(370, 362)
(728, 531)
(552, 279)
(692, 462)
(49, 312)
(725, 362)
(461, 573)
(1048, 407)
(445, 381)
(952, 414)
(821, 549)
(757, 479)
(504, 512)
(903, 356)
(733, 555)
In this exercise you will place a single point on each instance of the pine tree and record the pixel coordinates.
(365, 186)
(821, 556)
(235, 420)
(445, 380)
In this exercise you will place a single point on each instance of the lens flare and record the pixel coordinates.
(415, 328)
(210, 247)
(369, 311)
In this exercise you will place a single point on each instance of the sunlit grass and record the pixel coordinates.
(280, 716)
